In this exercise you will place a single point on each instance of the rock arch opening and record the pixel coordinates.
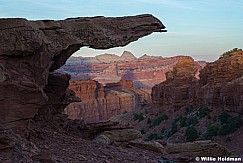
(32, 50)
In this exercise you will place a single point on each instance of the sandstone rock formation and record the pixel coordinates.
(100, 102)
(199, 148)
(151, 145)
(222, 83)
(127, 56)
(179, 89)
(30, 50)
(177, 151)
(191, 149)
(110, 68)
(120, 135)
(219, 86)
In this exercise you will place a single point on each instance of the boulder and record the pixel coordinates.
(198, 148)
(117, 136)
(151, 146)
(122, 135)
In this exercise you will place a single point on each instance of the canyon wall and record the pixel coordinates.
(220, 85)
(100, 102)
(145, 71)
(30, 51)
(179, 88)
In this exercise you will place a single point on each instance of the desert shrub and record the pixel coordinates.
(171, 130)
(224, 117)
(191, 134)
(188, 110)
(239, 74)
(153, 137)
(212, 130)
(225, 129)
(232, 124)
(203, 111)
(125, 112)
(142, 131)
(138, 117)
(192, 121)
(209, 116)
(144, 103)
(163, 130)
(149, 121)
(182, 121)
(165, 116)
(228, 139)
(235, 122)
(158, 120)
(146, 111)
(228, 53)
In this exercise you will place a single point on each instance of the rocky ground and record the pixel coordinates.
(69, 147)
(149, 114)
(50, 143)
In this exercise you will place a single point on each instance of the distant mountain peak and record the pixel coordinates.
(145, 56)
(128, 55)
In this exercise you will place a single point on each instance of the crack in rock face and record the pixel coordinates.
(31, 50)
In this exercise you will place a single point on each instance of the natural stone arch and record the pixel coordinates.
(31, 50)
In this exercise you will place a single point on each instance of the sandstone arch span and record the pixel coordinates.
(30, 51)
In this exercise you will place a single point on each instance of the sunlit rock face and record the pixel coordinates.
(179, 89)
(221, 83)
(31, 50)
(219, 87)
(99, 103)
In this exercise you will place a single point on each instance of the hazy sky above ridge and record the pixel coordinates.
(203, 29)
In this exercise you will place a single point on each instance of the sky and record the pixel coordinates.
(203, 29)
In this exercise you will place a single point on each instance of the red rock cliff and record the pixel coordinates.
(100, 103)
(220, 85)
(145, 71)
(179, 88)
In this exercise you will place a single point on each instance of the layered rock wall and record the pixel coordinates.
(179, 88)
(221, 83)
(99, 103)
(219, 86)
(145, 71)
